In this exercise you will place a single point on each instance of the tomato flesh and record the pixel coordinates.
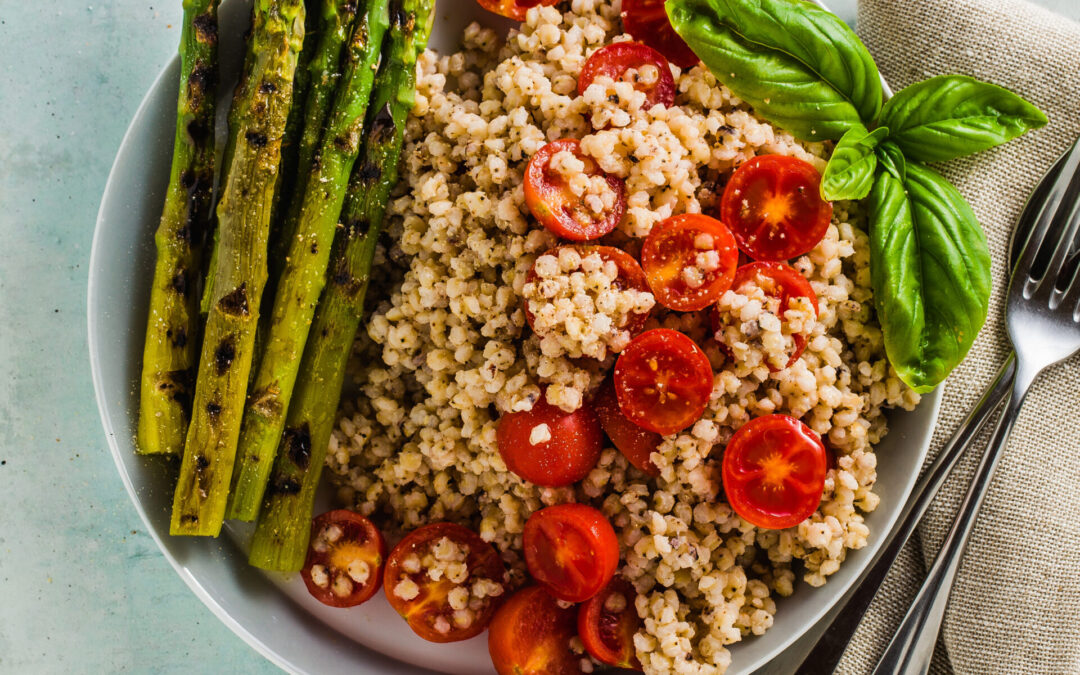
(513, 9)
(571, 550)
(607, 623)
(774, 471)
(630, 276)
(345, 559)
(635, 443)
(571, 449)
(663, 381)
(773, 206)
(424, 602)
(615, 59)
(530, 635)
(689, 261)
(552, 201)
(777, 280)
(647, 21)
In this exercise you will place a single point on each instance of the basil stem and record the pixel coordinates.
(891, 158)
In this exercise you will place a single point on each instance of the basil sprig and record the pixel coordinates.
(806, 71)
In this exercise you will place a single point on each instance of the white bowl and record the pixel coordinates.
(273, 613)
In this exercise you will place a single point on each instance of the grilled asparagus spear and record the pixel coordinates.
(244, 214)
(289, 144)
(240, 101)
(324, 73)
(281, 537)
(170, 350)
(316, 74)
(304, 274)
(286, 179)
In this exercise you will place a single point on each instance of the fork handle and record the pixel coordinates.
(912, 648)
(828, 650)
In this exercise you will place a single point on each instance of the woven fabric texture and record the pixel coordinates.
(1016, 604)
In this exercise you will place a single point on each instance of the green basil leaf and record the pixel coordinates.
(782, 89)
(951, 116)
(850, 171)
(892, 159)
(930, 269)
(816, 38)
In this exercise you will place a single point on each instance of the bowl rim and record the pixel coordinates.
(932, 399)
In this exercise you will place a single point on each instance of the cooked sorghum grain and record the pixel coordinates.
(755, 331)
(577, 310)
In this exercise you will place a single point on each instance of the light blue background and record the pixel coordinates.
(83, 588)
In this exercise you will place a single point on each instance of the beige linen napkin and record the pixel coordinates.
(1016, 604)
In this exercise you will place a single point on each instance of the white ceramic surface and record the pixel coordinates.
(275, 614)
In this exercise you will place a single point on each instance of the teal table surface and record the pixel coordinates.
(83, 587)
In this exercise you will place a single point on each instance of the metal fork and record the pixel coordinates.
(1043, 320)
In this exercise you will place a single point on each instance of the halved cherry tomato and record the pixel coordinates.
(344, 559)
(647, 21)
(571, 550)
(663, 381)
(548, 446)
(773, 206)
(513, 9)
(689, 261)
(635, 443)
(530, 635)
(607, 623)
(551, 200)
(615, 59)
(774, 471)
(778, 280)
(630, 276)
(424, 602)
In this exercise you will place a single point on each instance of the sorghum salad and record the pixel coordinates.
(624, 341)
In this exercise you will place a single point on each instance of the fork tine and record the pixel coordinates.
(1070, 293)
(1056, 269)
(1048, 215)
